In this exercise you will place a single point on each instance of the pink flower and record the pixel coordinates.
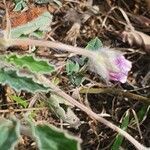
(110, 64)
(124, 67)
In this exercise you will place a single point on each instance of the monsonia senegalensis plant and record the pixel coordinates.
(110, 64)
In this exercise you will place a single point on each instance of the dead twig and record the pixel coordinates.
(116, 92)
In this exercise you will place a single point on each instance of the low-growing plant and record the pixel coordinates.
(28, 73)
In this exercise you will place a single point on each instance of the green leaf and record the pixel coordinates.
(37, 34)
(42, 23)
(77, 79)
(119, 139)
(72, 67)
(9, 134)
(33, 64)
(63, 110)
(13, 79)
(19, 100)
(141, 115)
(51, 138)
(143, 112)
(94, 44)
(73, 70)
(19, 5)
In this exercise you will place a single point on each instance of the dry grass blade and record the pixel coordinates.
(116, 92)
(130, 35)
(128, 25)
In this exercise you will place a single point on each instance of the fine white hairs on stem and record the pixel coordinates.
(108, 63)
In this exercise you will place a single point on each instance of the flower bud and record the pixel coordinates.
(110, 65)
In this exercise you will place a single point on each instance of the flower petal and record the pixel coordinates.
(123, 64)
(116, 76)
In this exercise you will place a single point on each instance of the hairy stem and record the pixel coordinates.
(51, 44)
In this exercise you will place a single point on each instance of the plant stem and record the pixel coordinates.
(92, 114)
(51, 44)
(68, 98)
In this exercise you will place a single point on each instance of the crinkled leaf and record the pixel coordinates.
(51, 138)
(77, 79)
(73, 70)
(19, 5)
(63, 110)
(19, 83)
(94, 44)
(9, 134)
(41, 23)
(119, 139)
(72, 67)
(33, 64)
(59, 100)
